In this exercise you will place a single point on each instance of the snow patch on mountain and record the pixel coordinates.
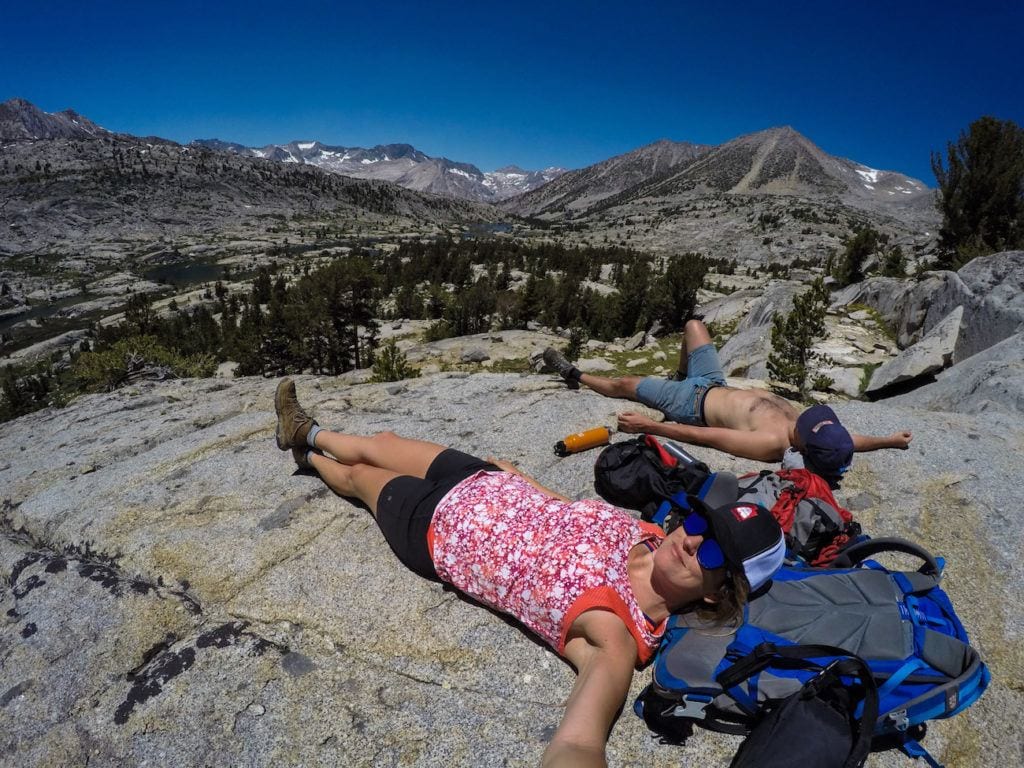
(401, 164)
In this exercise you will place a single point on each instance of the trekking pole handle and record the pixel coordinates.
(857, 553)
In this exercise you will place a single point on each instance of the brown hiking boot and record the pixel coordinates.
(556, 361)
(293, 423)
(299, 453)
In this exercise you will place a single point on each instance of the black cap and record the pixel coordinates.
(749, 536)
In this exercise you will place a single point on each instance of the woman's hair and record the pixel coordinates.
(728, 608)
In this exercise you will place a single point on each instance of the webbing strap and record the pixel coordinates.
(899, 676)
(912, 748)
(662, 513)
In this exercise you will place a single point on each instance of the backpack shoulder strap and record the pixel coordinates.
(857, 553)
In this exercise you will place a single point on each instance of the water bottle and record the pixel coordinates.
(583, 441)
(677, 450)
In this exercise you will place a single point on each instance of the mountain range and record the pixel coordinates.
(67, 184)
(401, 164)
(763, 196)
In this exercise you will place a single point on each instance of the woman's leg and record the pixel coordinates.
(386, 450)
(360, 481)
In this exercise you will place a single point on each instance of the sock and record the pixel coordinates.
(309, 456)
(574, 375)
(311, 435)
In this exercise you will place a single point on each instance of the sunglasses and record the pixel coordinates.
(709, 554)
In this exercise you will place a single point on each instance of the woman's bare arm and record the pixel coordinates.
(604, 654)
(507, 466)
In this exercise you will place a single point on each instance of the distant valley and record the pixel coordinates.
(91, 216)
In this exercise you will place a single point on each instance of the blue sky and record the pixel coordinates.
(535, 84)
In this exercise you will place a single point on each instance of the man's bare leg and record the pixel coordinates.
(695, 336)
(623, 387)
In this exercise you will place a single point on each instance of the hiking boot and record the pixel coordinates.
(293, 423)
(556, 361)
(299, 453)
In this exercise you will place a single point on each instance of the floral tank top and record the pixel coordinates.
(542, 560)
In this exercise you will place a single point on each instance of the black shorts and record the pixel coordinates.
(406, 506)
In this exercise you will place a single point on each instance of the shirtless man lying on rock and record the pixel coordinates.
(748, 423)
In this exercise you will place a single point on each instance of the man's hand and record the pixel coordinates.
(634, 422)
(900, 440)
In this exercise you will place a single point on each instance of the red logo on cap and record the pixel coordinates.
(742, 513)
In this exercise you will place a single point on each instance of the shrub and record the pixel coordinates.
(822, 383)
(136, 358)
(438, 330)
(391, 364)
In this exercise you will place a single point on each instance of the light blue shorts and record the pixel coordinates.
(683, 401)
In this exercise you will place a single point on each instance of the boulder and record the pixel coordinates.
(476, 355)
(594, 365)
(746, 353)
(635, 341)
(992, 380)
(777, 297)
(730, 308)
(846, 381)
(933, 353)
(989, 288)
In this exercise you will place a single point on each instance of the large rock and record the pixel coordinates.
(728, 309)
(990, 289)
(992, 380)
(932, 353)
(777, 297)
(174, 593)
(746, 352)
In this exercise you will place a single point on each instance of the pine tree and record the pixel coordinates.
(859, 248)
(794, 333)
(391, 364)
(981, 192)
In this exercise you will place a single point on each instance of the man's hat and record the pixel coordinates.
(749, 537)
(827, 446)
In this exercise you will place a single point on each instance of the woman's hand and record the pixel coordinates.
(508, 466)
(504, 466)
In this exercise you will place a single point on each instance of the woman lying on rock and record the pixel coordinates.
(593, 582)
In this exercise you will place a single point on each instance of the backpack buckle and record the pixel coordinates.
(691, 707)
(899, 720)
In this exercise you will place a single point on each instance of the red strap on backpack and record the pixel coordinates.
(805, 483)
(666, 458)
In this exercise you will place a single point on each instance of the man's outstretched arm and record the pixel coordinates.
(760, 446)
(900, 440)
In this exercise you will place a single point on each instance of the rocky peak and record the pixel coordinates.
(21, 120)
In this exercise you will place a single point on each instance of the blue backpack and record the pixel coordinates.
(900, 623)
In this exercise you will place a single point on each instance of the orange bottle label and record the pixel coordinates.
(591, 438)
